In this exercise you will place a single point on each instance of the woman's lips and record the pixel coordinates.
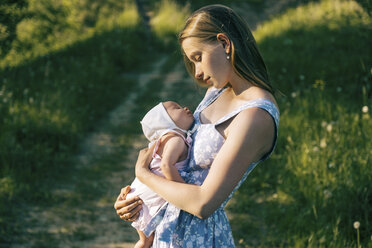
(207, 80)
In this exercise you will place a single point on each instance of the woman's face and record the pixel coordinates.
(182, 117)
(211, 64)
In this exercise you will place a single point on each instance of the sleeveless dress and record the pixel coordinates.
(152, 202)
(176, 228)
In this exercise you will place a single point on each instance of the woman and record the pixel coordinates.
(237, 123)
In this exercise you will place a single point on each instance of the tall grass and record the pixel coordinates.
(66, 69)
(54, 87)
(168, 19)
(317, 184)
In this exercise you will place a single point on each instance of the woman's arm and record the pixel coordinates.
(250, 137)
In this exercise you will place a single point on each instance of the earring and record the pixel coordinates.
(228, 57)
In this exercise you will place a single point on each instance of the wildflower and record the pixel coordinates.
(327, 194)
(323, 143)
(329, 127)
(331, 165)
(356, 224)
(365, 109)
(319, 84)
(275, 195)
(324, 123)
(241, 241)
(316, 149)
(293, 94)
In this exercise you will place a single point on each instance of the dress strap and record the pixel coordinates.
(209, 98)
(264, 104)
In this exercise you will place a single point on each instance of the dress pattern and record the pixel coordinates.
(176, 228)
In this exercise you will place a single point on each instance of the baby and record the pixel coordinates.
(166, 125)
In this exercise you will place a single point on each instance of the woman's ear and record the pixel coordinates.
(225, 41)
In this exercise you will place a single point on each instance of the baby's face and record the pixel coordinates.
(182, 117)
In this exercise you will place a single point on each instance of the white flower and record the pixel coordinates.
(293, 94)
(323, 143)
(327, 194)
(329, 127)
(189, 244)
(365, 109)
(356, 224)
(324, 124)
(316, 149)
(331, 165)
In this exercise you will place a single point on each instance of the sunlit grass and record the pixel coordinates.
(60, 24)
(311, 191)
(333, 14)
(316, 185)
(169, 18)
(129, 17)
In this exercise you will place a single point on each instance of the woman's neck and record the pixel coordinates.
(239, 85)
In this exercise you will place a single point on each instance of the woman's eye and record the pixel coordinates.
(198, 58)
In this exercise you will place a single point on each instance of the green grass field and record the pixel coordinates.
(64, 66)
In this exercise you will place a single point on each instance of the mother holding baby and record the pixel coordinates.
(236, 128)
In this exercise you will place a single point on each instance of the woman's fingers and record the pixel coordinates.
(128, 205)
(124, 203)
(123, 193)
(134, 211)
(143, 160)
(134, 217)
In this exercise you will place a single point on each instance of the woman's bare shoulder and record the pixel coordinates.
(257, 92)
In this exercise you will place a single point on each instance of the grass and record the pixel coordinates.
(316, 185)
(51, 96)
(55, 89)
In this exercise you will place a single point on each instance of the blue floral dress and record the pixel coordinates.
(176, 228)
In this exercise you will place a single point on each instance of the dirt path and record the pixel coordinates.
(82, 213)
(76, 216)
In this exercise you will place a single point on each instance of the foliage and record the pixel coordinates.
(64, 65)
(168, 10)
(52, 25)
(317, 183)
(11, 13)
(55, 83)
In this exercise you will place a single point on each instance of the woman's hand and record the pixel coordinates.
(143, 162)
(127, 209)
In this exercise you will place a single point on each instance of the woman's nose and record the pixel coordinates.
(198, 73)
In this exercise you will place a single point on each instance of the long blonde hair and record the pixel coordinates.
(247, 61)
